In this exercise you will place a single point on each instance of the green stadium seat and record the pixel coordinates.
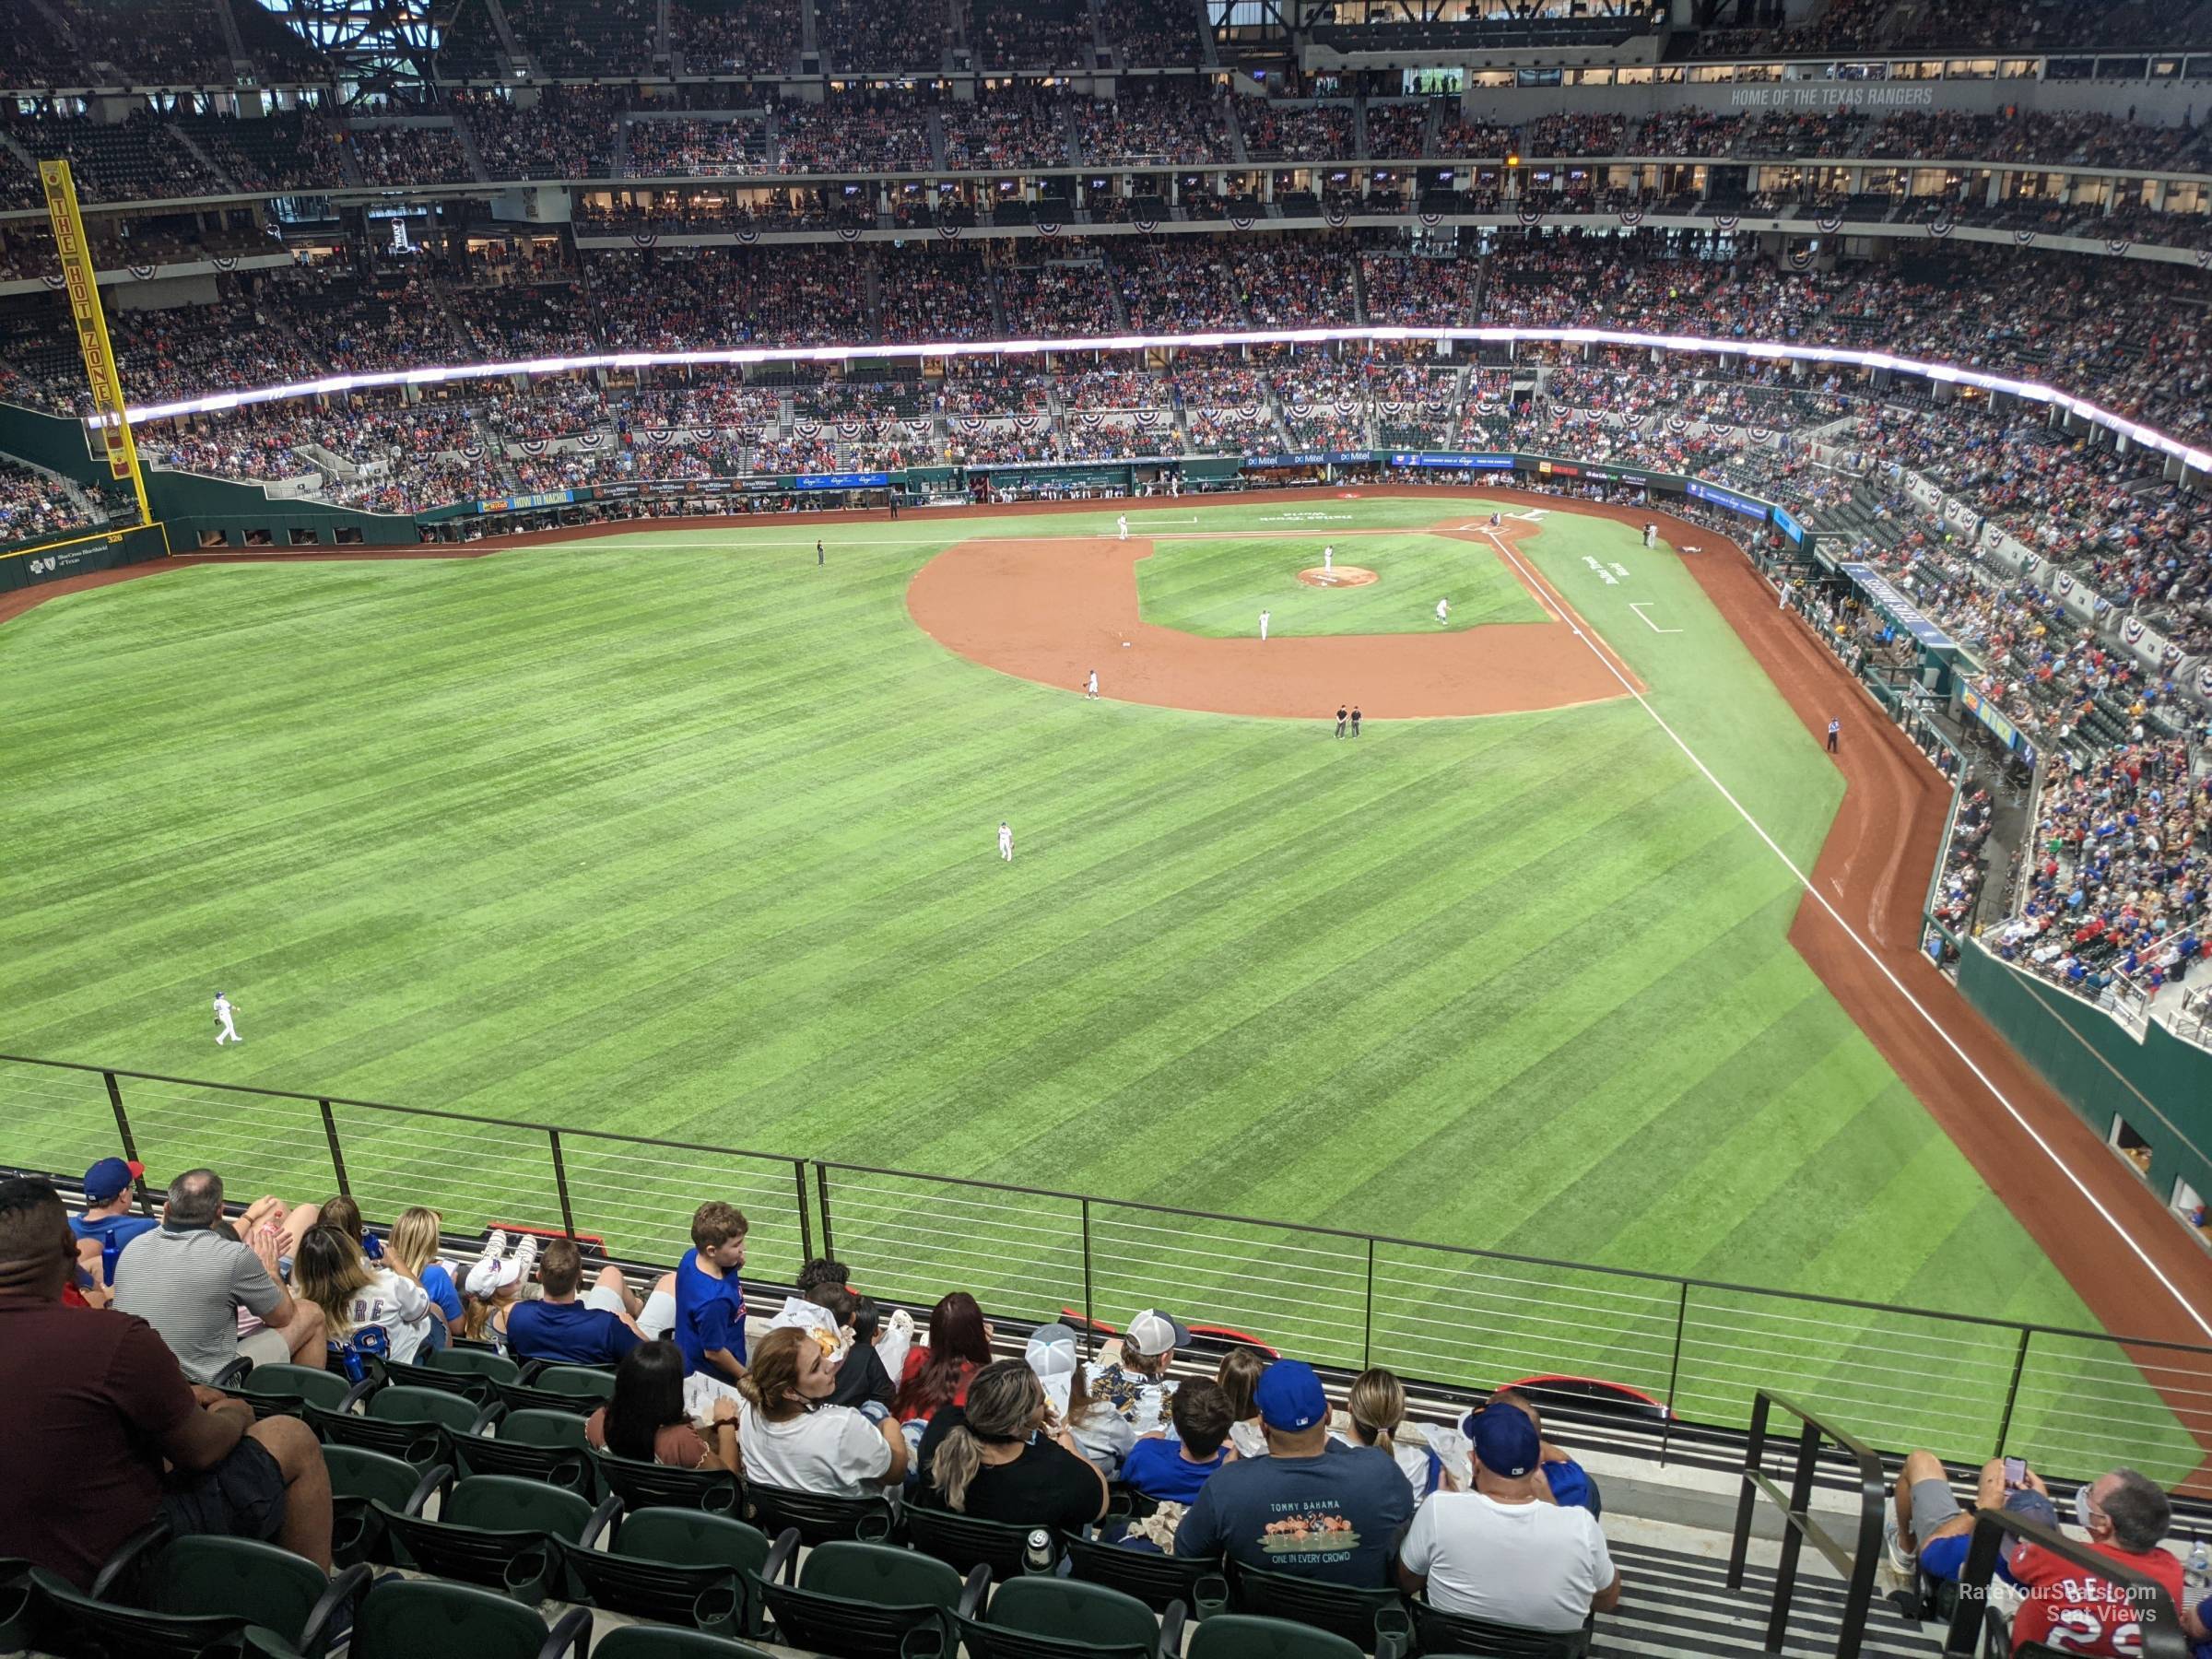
(819, 1517)
(422, 1619)
(1244, 1636)
(1157, 1581)
(468, 1384)
(1048, 1618)
(676, 1565)
(658, 1642)
(857, 1601)
(643, 1484)
(533, 1445)
(412, 1423)
(1376, 1621)
(964, 1542)
(497, 1531)
(360, 1480)
(159, 1597)
(1441, 1633)
(588, 1382)
(481, 1360)
(282, 1390)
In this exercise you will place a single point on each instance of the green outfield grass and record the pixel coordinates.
(1219, 588)
(679, 835)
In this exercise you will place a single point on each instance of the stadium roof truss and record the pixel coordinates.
(1941, 374)
(384, 45)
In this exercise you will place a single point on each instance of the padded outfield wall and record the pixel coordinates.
(2161, 1085)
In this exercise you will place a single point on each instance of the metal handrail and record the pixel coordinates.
(2156, 1618)
(1856, 1564)
(1640, 1275)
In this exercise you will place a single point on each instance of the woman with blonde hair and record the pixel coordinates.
(789, 1435)
(1374, 1414)
(1000, 1457)
(358, 1294)
(413, 1249)
(1239, 1375)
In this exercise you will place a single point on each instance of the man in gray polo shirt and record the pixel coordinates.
(188, 1282)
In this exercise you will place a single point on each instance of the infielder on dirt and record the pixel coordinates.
(1093, 689)
(1120, 525)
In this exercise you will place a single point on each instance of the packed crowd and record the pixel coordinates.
(130, 1326)
(34, 503)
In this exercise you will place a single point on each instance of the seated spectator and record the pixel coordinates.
(107, 1223)
(998, 1457)
(1313, 1506)
(790, 1435)
(710, 1299)
(2125, 1515)
(1373, 1415)
(1171, 1471)
(108, 1433)
(413, 1249)
(1503, 1552)
(647, 1419)
(1239, 1375)
(1568, 1482)
(493, 1287)
(1927, 1530)
(937, 1373)
(563, 1328)
(344, 1213)
(355, 1294)
(189, 1283)
(1129, 1381)
(861, 1375)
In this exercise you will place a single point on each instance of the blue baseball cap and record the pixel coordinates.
(1289, 1397)
(1506, 1442)
(109, 1177)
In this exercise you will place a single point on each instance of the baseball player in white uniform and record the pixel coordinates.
(1328, 560)
(1005, 843)
(1120, 525)
(1093, 689)
(222, 1014)
(1262, 625)
(1443, 612)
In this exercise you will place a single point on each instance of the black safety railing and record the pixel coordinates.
(1674, 1355)
(1856, 1562)
(2149, 1606)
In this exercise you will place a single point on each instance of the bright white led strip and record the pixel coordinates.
(2148, 437)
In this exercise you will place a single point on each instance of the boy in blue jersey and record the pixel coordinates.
(1171, 1471)
(710, 1301)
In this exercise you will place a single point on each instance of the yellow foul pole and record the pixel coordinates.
(92, 327)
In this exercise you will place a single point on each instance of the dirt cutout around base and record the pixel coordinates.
(1055, 610)
(1338, 576)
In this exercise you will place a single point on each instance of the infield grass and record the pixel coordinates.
(678, 835)
(1219, 588)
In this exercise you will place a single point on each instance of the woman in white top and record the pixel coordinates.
(1374, 1414)
(1239, 1376)
(789, 1436)
(356, 1294)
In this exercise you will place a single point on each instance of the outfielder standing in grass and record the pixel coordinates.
(818, 558)
(1006, 841)
(1443, 611)
(229, 1033)
(1263, 627)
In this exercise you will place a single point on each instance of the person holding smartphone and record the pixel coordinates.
(1928, 1530)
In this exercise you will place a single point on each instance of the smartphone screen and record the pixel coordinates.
(2015, 1473)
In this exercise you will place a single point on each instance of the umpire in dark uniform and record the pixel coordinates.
(1340, 720)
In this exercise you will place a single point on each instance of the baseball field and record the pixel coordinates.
(681, 835)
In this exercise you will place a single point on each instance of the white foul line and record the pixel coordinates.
(1637, 606)
(1897, 985)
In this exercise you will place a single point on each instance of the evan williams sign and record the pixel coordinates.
(1846, 97)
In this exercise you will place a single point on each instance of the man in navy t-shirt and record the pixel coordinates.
(561, 1328)
(1313, 1506)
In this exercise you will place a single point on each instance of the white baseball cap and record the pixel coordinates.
(1152, 1333)
(492, 1275)
(1052, 1351)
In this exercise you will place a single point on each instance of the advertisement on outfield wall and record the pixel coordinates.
(80, 556)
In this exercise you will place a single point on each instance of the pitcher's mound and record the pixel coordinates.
(1342, 576)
